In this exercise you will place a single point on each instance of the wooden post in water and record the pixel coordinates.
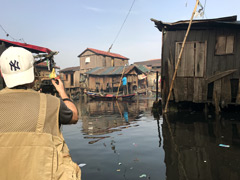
(157, 86)
(179, 57)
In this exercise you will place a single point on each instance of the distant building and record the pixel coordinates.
(109, 78)
(70, 77)
(93, 58)
(153, 64)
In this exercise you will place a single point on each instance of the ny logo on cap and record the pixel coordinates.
(14, 65)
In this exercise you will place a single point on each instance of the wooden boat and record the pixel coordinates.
(109, 96)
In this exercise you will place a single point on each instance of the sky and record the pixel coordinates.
(71, 26)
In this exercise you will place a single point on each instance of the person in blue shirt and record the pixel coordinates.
(124, 83)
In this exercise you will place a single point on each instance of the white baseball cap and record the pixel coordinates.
(17, 66)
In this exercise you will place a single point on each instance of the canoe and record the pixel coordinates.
(109, 96)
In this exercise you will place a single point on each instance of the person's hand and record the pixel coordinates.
(58, 84)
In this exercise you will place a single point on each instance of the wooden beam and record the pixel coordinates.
(220, 75)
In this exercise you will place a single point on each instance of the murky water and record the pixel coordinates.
(122, 140)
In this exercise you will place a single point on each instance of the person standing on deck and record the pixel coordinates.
(31, 144)
(124, 83)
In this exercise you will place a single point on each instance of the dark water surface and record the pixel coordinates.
(124, 141)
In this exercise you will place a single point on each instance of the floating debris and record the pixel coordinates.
(119, 164)
(224, 145)
(143, 176)
(118, 170)
(82, 164)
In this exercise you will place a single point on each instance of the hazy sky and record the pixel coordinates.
(71, 26)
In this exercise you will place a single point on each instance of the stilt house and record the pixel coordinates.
(209, 69)
(71, 77)
(109, 78)
(92, 58)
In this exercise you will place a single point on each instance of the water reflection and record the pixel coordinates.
(193, 146)
(103, 117)
(123, 140)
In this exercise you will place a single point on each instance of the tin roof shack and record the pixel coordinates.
(91, 58)
(153, 65)
(71, 77)
(210, 62)
(108, 78)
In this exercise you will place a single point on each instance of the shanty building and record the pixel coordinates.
(109, 78)
(154, 66)
(70, 77)
(92, 58)
(210, 63)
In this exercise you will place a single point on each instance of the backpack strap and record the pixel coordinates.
(42, 113)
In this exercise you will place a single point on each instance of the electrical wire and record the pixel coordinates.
(8, 35)
(122, 26)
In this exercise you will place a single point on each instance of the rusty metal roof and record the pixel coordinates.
(104, 53)
(76, 68)
(117, 70)
(152, 62)
(230, 21)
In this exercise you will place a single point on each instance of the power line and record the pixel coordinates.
(122, 25)
(8, 35)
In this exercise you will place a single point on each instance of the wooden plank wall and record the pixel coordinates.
(195, 89)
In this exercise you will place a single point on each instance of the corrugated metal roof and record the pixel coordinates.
(117, 70)
(152, 62)
(230, 21)
(143, 68)
(76, 68)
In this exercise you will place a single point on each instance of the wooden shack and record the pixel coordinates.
(108, 78)
(71, 77)
(154, 65)
(91, 58)
(210, 64)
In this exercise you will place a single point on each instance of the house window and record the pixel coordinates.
(66, 77)
(87, 60)
(224, 45)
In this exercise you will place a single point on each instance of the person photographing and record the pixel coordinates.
(31, 143)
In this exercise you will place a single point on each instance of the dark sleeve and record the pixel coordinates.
(65, 114)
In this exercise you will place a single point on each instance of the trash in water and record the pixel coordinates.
(81, 165)
(143, 176)
(131, 168)
(224, 145)
(118, 170)
(119, 164)
(135, 144)
(205, 161)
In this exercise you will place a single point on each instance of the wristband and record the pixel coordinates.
(67, 99)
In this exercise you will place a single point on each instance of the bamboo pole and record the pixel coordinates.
(180, 55)
(120, 81)
(157, 86)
